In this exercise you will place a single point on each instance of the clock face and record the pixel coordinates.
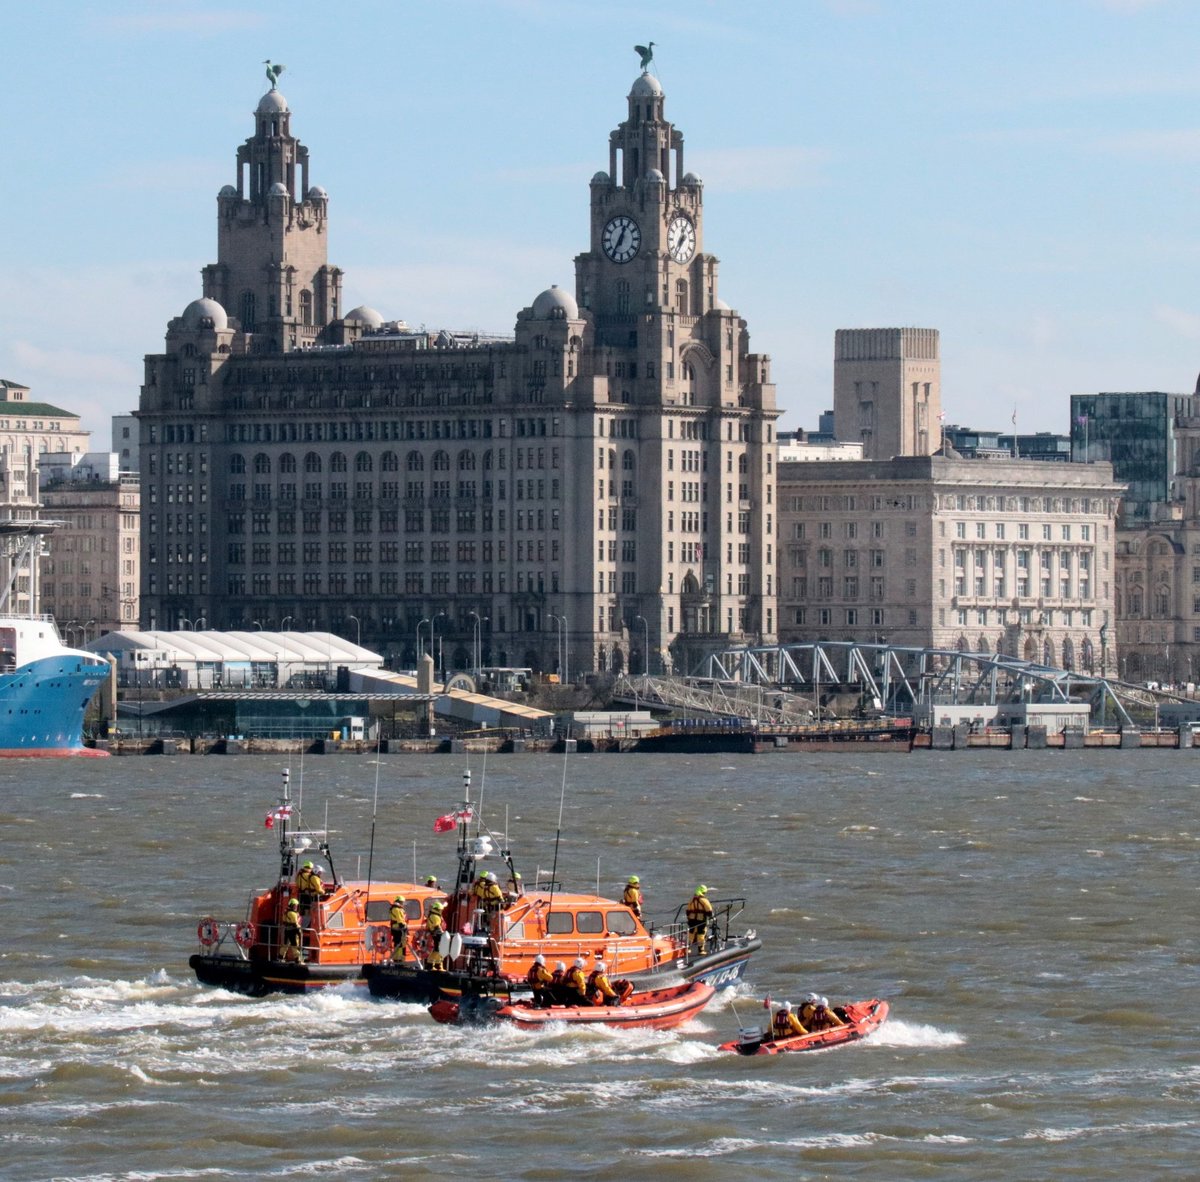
(621, 238)
(681, 239)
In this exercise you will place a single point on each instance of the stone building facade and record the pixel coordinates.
(887, 390)
(603, 481)
(979, 555)
(90, 577)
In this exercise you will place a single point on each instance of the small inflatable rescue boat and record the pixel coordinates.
(656, 1009)
(860, 1017)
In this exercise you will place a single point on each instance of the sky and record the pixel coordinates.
(1022, 176)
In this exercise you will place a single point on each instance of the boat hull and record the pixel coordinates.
(410, 983)
(42, 704)
(658, 1009)
(862, 1017)
(258, 978)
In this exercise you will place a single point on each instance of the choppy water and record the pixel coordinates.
(1032, 917)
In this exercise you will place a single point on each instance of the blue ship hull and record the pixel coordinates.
(42, 704)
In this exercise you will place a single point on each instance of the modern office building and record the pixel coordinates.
(600, 485)
(943, 552)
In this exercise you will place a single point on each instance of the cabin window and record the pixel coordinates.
(429, 904)
(558, 923)
(334, 919)
(412, 909)
(379, 910)
(590, 923)
(620, 923)
(515, 931)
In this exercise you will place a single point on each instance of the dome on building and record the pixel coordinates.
(278, 189)
(653, 174)
(205, 313)
(690, 178)
(227, 191)
(365, 316)
(647, 86)
(316, 193)
(271, 103)
(721, 305)
(601, 178)
(554, 302)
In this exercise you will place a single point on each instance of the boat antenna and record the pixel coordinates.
(374, 815)
(562, 796)
(482, 789)
(414, 860)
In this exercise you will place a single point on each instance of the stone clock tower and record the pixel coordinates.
(673, 363)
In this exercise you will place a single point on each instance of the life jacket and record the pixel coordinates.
(397, 916)
(632, 897)
(576, 982)
(434, 925)
(597, 982)
(558, 977)
(808, 1014)
(699, 908)
(538, 976)
(308, 882)
(782, 1026)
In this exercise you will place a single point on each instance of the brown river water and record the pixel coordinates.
(1032, 917)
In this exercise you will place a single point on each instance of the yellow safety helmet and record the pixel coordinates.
(702, 889)
(435, 906)
(398, 899)
(293, 903)
(634, 880)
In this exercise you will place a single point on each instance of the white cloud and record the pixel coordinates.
(739, 170)
(1184, 324)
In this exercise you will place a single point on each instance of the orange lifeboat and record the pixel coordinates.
(342, 926)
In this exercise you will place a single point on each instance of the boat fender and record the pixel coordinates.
(444, 944)
(208, 931)
(456, 943)
(381, 938)
(244, 934)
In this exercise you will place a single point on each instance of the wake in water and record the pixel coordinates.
(894, 1033)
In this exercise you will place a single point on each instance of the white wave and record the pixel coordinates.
(723, 1146)
(895, 1033)
(1076, 1132)
(87, 796)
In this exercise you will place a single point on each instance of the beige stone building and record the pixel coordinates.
(90, 574)
(600, 483)
(986, 556)
(887, 390)
(29, 432)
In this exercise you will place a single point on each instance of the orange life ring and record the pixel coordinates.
(208, 931)
(381, 938)
(244, 934)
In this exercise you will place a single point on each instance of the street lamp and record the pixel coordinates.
(185, 624)
(477, 649)
(441, 652)
(283, 627)
(357, 630)
(557, 637)
(420, 650)
(646, 655)
(257, 624)
(201, 624)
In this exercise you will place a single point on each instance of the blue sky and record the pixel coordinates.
(1023, 176)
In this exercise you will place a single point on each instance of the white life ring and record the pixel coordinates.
(208, 931)
(244, 934)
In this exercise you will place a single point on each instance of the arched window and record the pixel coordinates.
(306, 312)
(466, 461)
(389, 462)
(1089, 659)
(415, 462)
(1068, 653)
(287, 463)
(363, 462)
(743, 465)
(237, 464)
(441, 461)
(681, 296)
(628, 461)
(247, 308)
(312, 462)
(337, 462)
(487, 460)
(262, 464)
(1048, 652)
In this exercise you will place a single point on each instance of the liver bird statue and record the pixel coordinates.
(646, 52)
(273, 73)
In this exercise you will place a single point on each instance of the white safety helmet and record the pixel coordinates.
(786, 1007)
(579, 962)
(812, 997)
(600, 966)
(824, 1003)
(561, 966)
(490, 876)
(539, 959)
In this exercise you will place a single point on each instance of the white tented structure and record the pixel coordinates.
(232, 660)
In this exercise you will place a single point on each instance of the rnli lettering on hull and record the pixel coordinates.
(726, 975)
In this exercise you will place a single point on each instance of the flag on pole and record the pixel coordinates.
(446, 823)
(767, 1002)
(277, 814)
(1014, 416)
